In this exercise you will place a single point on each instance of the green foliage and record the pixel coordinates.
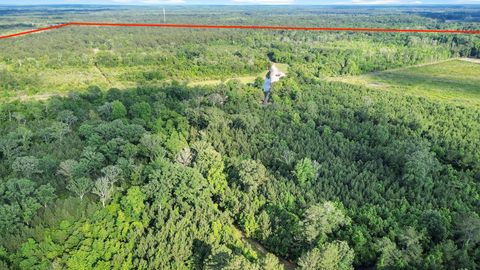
(436, 225)
(468, 228)
(118, 110)
(133, 202)
(252, 174)
(330, 256)
(322, 219)
(369, 157)
(45, 194)
(453, 81)
(80, 186)
(209, 163)
(207, 177)
(141, 110)
(26, 166)
(305, 171)
(19, 201)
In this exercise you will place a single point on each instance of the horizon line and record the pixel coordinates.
(246, 5)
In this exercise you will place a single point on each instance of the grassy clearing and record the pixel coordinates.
(456, 81)
(50, 82)
(61, 81)
(242, 79)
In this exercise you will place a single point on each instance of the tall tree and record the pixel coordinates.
(306, 171)
(26, 166)
(103, 188)
(118, 110)
(252, 174)
(331, 256)
(322, 219)
(45, 194)
(80, 186)
(468, 229)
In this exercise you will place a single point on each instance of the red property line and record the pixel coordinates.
(267, 27)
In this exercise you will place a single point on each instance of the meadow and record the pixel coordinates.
(454, 81)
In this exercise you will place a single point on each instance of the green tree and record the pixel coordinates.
(271, 262)
(80, 186)
(19, 201)
(305, 171)
(68, 168)
(436, 225)
(252, 174)
(264, 229)
(103, 188)
(113, 173)
(67, 117)
(250, 225)
(45, 194)
(331, 256)
(118, 110)
(390, 256)
(10, 144)
(322, 219)
(468, 229)
(26, 166)
(209, 163)
(151, 145)
(134, 201)
(141, 110)
(58, 130)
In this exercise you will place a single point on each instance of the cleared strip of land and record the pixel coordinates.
(455, 81)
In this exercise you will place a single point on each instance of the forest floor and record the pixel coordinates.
(454, 80)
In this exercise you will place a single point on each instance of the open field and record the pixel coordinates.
(242, 79)
(456, 81)
(48, 82)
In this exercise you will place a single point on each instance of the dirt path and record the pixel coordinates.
(472, 60)
(37, 97)
(103, 74)
(260, 249)
(413, 66)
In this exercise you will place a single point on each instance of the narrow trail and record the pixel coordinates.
(472, 60)
(110, 84)
(37, 97)
(260, 249)
(417, 65)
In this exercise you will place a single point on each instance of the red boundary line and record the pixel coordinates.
(267, 27)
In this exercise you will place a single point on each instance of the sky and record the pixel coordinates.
(238, 2)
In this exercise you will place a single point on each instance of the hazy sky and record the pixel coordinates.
(239, 2)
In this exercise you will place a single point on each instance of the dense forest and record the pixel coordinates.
(162, 175)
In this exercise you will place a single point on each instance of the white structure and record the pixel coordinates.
(273, 76)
